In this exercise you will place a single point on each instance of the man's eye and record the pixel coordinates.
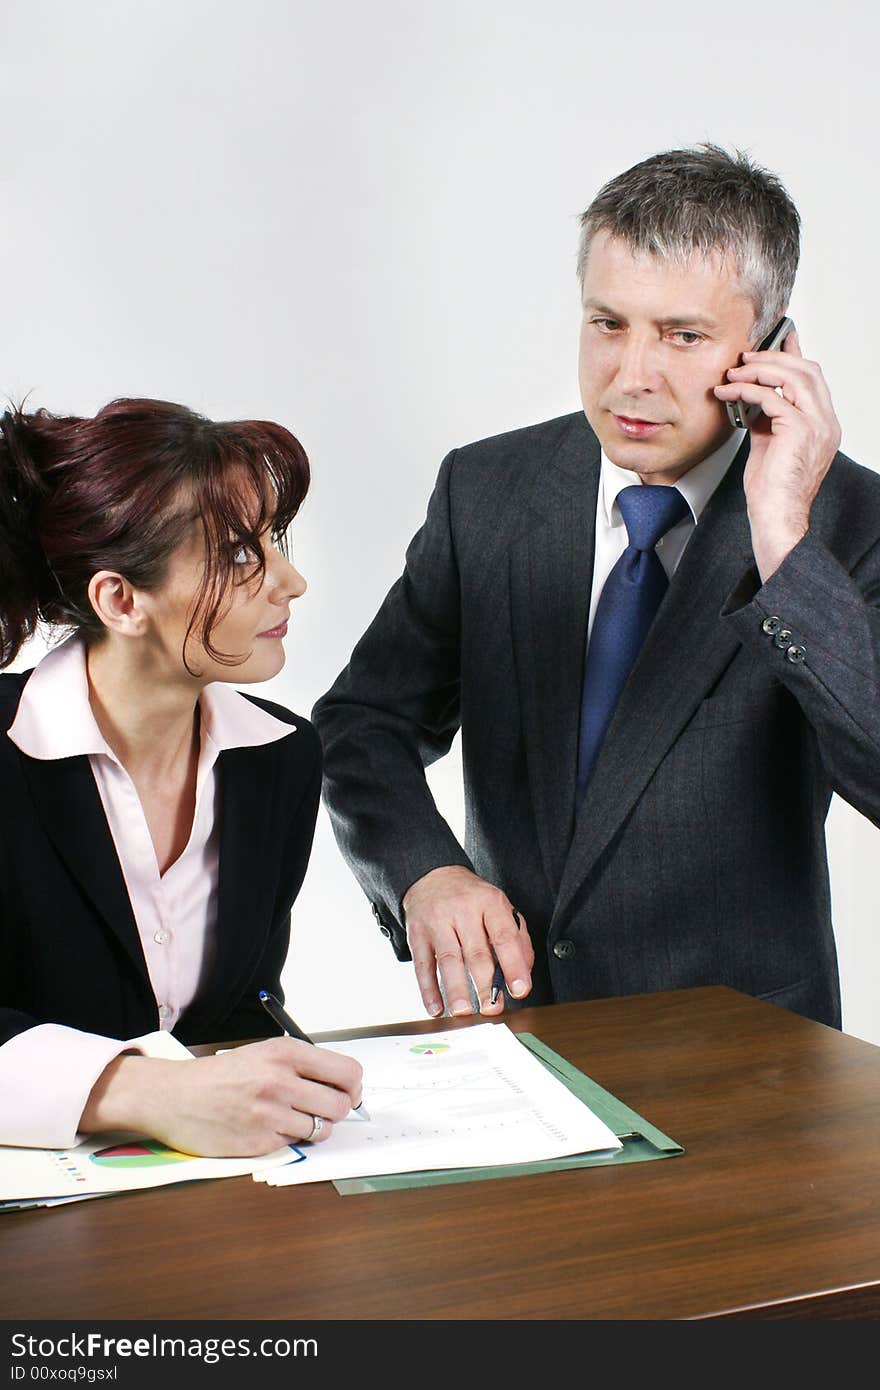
(686, 336)
(605, 325)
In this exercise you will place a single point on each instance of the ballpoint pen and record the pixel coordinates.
(498, 977)
(497, 985)
(279, 1014)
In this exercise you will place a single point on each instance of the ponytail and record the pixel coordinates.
(25, 576)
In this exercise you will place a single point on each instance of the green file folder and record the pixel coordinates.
(641, 1141)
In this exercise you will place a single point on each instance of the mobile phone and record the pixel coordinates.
(740, 414)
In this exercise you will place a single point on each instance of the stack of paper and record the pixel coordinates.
(465, 1098)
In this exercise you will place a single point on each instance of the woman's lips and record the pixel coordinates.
(279, 631)
(637, 429)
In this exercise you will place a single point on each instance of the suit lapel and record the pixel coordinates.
(245, 890)
(551, 567)
(684, 653)
(68, 804)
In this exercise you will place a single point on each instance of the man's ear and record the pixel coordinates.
(115, 602)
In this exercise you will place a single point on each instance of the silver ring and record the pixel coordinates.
(317, 1126)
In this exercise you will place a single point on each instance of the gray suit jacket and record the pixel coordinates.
(698, 854)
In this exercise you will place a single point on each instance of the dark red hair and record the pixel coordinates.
(118, 492)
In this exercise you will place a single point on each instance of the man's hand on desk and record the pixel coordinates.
(455, 921)
(244, 1102)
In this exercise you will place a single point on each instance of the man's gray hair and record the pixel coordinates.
(704, 199)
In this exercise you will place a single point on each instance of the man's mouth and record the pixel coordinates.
(636, 428)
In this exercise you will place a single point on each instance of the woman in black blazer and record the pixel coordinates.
(155, 825)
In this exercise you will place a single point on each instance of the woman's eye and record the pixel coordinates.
(243, 556)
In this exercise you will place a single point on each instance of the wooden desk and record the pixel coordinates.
(773, 1211)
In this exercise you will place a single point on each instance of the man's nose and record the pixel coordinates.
(637, 369)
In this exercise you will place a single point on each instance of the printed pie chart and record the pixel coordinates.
(142, 1153)
(429, 1049)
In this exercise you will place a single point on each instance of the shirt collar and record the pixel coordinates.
(232, 721)
(696, 486)
(55, 720)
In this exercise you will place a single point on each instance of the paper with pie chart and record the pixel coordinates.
(464, 1098)
(114, 1163)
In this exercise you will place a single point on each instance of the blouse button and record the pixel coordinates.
(161, 936)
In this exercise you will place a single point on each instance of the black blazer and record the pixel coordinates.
(69, 947)
(698, 854)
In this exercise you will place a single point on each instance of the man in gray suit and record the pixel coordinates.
(647, 786)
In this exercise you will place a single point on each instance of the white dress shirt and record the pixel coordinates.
(695, 486)
(47, 1072)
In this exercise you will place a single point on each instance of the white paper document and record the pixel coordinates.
(469, 1097)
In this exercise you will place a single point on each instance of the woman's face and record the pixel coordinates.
(253, 618)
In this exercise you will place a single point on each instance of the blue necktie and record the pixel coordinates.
(624, 613)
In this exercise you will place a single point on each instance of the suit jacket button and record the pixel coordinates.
(386, 931)
(771, 625)
(564, 950)
(796, 654)
(782, 638)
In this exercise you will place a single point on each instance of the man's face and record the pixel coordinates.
(656, 338)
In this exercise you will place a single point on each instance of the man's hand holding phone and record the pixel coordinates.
(793, 441)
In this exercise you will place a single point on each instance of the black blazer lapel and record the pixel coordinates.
(69, 807)
(551, 567)
(247, 882)
(685, 652)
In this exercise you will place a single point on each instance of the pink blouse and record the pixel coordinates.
(47, 1072)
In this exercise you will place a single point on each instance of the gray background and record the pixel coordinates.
(360, 220)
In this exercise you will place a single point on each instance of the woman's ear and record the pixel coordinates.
(115, 601)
